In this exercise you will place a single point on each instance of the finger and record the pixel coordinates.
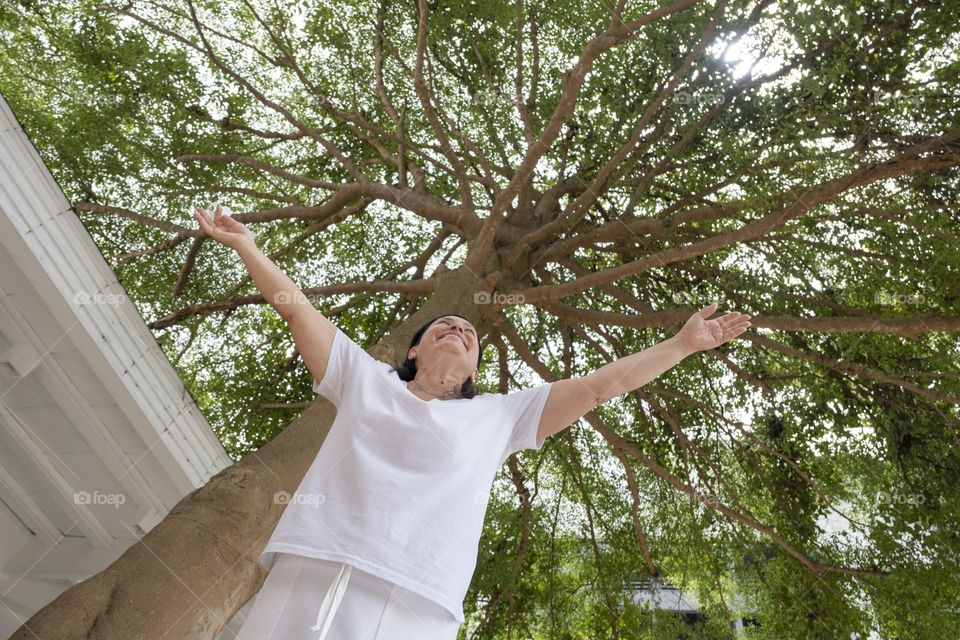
(735, 331)
(218, 214)
(733, 318)
(204, 221)
(732, 324)
(708, 310)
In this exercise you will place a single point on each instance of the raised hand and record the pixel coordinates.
(700, 334)
(223, 228)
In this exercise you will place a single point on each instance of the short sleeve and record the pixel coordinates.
(523, 410)
(345, 363)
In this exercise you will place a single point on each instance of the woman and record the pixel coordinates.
(380, 540)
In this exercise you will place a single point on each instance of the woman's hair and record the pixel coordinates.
(408, 370)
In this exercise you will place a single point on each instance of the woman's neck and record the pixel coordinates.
(424, 392)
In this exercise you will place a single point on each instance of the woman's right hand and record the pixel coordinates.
(223, 228)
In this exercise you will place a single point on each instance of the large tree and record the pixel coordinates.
(576, 178)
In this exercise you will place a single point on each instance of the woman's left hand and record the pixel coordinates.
(700, 334)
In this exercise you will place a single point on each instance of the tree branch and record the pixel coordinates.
(423, 93)
(814, 196)
(206, 308)
(570, 89)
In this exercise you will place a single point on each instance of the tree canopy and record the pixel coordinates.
(597, 171)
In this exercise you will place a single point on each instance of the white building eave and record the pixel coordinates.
(90, 406)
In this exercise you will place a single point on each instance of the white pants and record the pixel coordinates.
(311, 599)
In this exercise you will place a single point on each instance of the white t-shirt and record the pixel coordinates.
(400, 486)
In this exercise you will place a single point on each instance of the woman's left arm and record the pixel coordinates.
(571, 399)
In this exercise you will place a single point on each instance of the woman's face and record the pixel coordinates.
(449, 335)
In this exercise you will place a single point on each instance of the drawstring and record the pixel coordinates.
(332, 600)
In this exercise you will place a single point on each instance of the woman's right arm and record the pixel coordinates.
(312, 331)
